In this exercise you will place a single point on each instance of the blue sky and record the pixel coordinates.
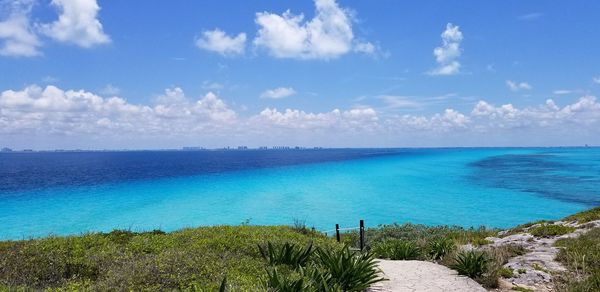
(116, 74)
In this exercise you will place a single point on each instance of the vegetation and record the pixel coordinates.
(189, 259)
(395, 249)
(278, 258)
(440, 247)
(471, 263)
(523, 227)
(327, 270)
(585, 216)
(286, 254)
(521, 289)
(581, 256)
(420, 234)
(545, 230)
(506, 272)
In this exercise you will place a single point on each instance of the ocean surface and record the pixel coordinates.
(76, 192)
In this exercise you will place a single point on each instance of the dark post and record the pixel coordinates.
(362, 234)
(337, 232)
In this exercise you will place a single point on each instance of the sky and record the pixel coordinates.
(93, 74)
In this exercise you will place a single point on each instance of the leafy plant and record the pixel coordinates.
(586, 216)
(286, 254)
(545, 230)
(352, 271)
(440, 247)
(277, 282)
(398, 250)
(505, 272)
(470, 263)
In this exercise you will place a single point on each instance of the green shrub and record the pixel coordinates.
(471, 263)
(351, 271)
(277, 282)
(189, 259)
(440, 247)
(505, 272)
(397, 250)
(545, 230)
(286, 254)
(520, 289)
(585, 216)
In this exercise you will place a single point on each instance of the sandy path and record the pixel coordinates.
(422, 276)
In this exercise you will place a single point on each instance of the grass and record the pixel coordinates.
(581, 256)
(545, 230)
(421, 235)
(395, 249)
(188, 259)
(585, 216)
(520, 289)
(506, 272)
(523, 227)
(208, 258)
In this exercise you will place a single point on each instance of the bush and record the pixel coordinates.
(545, 230)
(585, 216)
(187, 259)
(349, 270)
(440, 247)
(286, 254)
(398, 250)
(505, 272)
(470, 263)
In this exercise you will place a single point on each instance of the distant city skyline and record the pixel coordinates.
(96, 74)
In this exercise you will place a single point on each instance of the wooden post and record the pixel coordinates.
(337, 232)
(362, 234)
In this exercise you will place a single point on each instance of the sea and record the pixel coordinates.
(70, 193)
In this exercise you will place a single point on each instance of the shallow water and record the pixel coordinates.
(71, 193)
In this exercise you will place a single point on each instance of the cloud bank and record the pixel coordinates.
(209, 120)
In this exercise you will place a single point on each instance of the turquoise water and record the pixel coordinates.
(466, 187)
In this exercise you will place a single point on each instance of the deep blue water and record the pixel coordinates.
(70, 193)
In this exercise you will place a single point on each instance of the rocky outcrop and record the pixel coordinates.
(535, 269)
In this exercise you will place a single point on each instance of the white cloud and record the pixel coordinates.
(36, 110)
(394, 101)
(327, 36)
(517, 86)
(77, 23)
(596, 80)
(53, 112)
(207, 85)
(366, 47)
(277, 93)
(110, 89)
(531, 16)
(446, 56)
(16, 36)
(219, 42)
(354, 119)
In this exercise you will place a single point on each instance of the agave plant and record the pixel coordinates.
(275, 281)
(398, 250)
(351, 271)
(286, 254)
(471, 263)
(440, 247)
(310, 279)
